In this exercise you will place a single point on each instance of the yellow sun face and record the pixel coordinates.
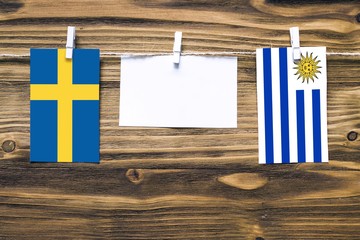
(307, 68)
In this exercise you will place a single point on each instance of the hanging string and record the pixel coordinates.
(182, 53)
(148, 54)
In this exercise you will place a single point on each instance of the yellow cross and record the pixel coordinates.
(64, 92)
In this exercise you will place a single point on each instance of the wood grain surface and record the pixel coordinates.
(166, 183)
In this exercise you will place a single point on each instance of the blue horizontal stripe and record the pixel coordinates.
(316, 125)
(300, 112)
(269, 142)
(284, 105)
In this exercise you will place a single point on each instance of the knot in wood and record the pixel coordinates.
(352, 136)
(8, 146)
(245, 181)
(10, 6)
(135, 176)
(358, 18)
(259, 238)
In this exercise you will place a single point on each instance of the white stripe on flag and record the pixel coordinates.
(292, 110)
(323, 102)
(260, 93)
(309, 148)
(324, 134)
(275, 81)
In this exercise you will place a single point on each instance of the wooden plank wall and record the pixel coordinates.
(180, 183)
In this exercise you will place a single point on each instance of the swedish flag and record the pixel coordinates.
(64, 105)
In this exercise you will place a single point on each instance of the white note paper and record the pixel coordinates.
(200, 92)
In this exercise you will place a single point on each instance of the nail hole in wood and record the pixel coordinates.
(8, 146)
(135, 176)
(352, 136)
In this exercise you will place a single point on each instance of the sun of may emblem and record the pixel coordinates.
(307, 68)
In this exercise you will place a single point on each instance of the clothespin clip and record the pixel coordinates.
(295, 43)
(70, 42)
(177, 47)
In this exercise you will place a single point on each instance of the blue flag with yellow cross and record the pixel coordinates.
(64, 105)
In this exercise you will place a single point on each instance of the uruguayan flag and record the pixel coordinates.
(292, 105)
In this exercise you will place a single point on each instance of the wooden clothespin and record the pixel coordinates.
(295, 43)
(70, 42)
(177, 47)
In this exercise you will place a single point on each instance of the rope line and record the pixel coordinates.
(128, 54)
